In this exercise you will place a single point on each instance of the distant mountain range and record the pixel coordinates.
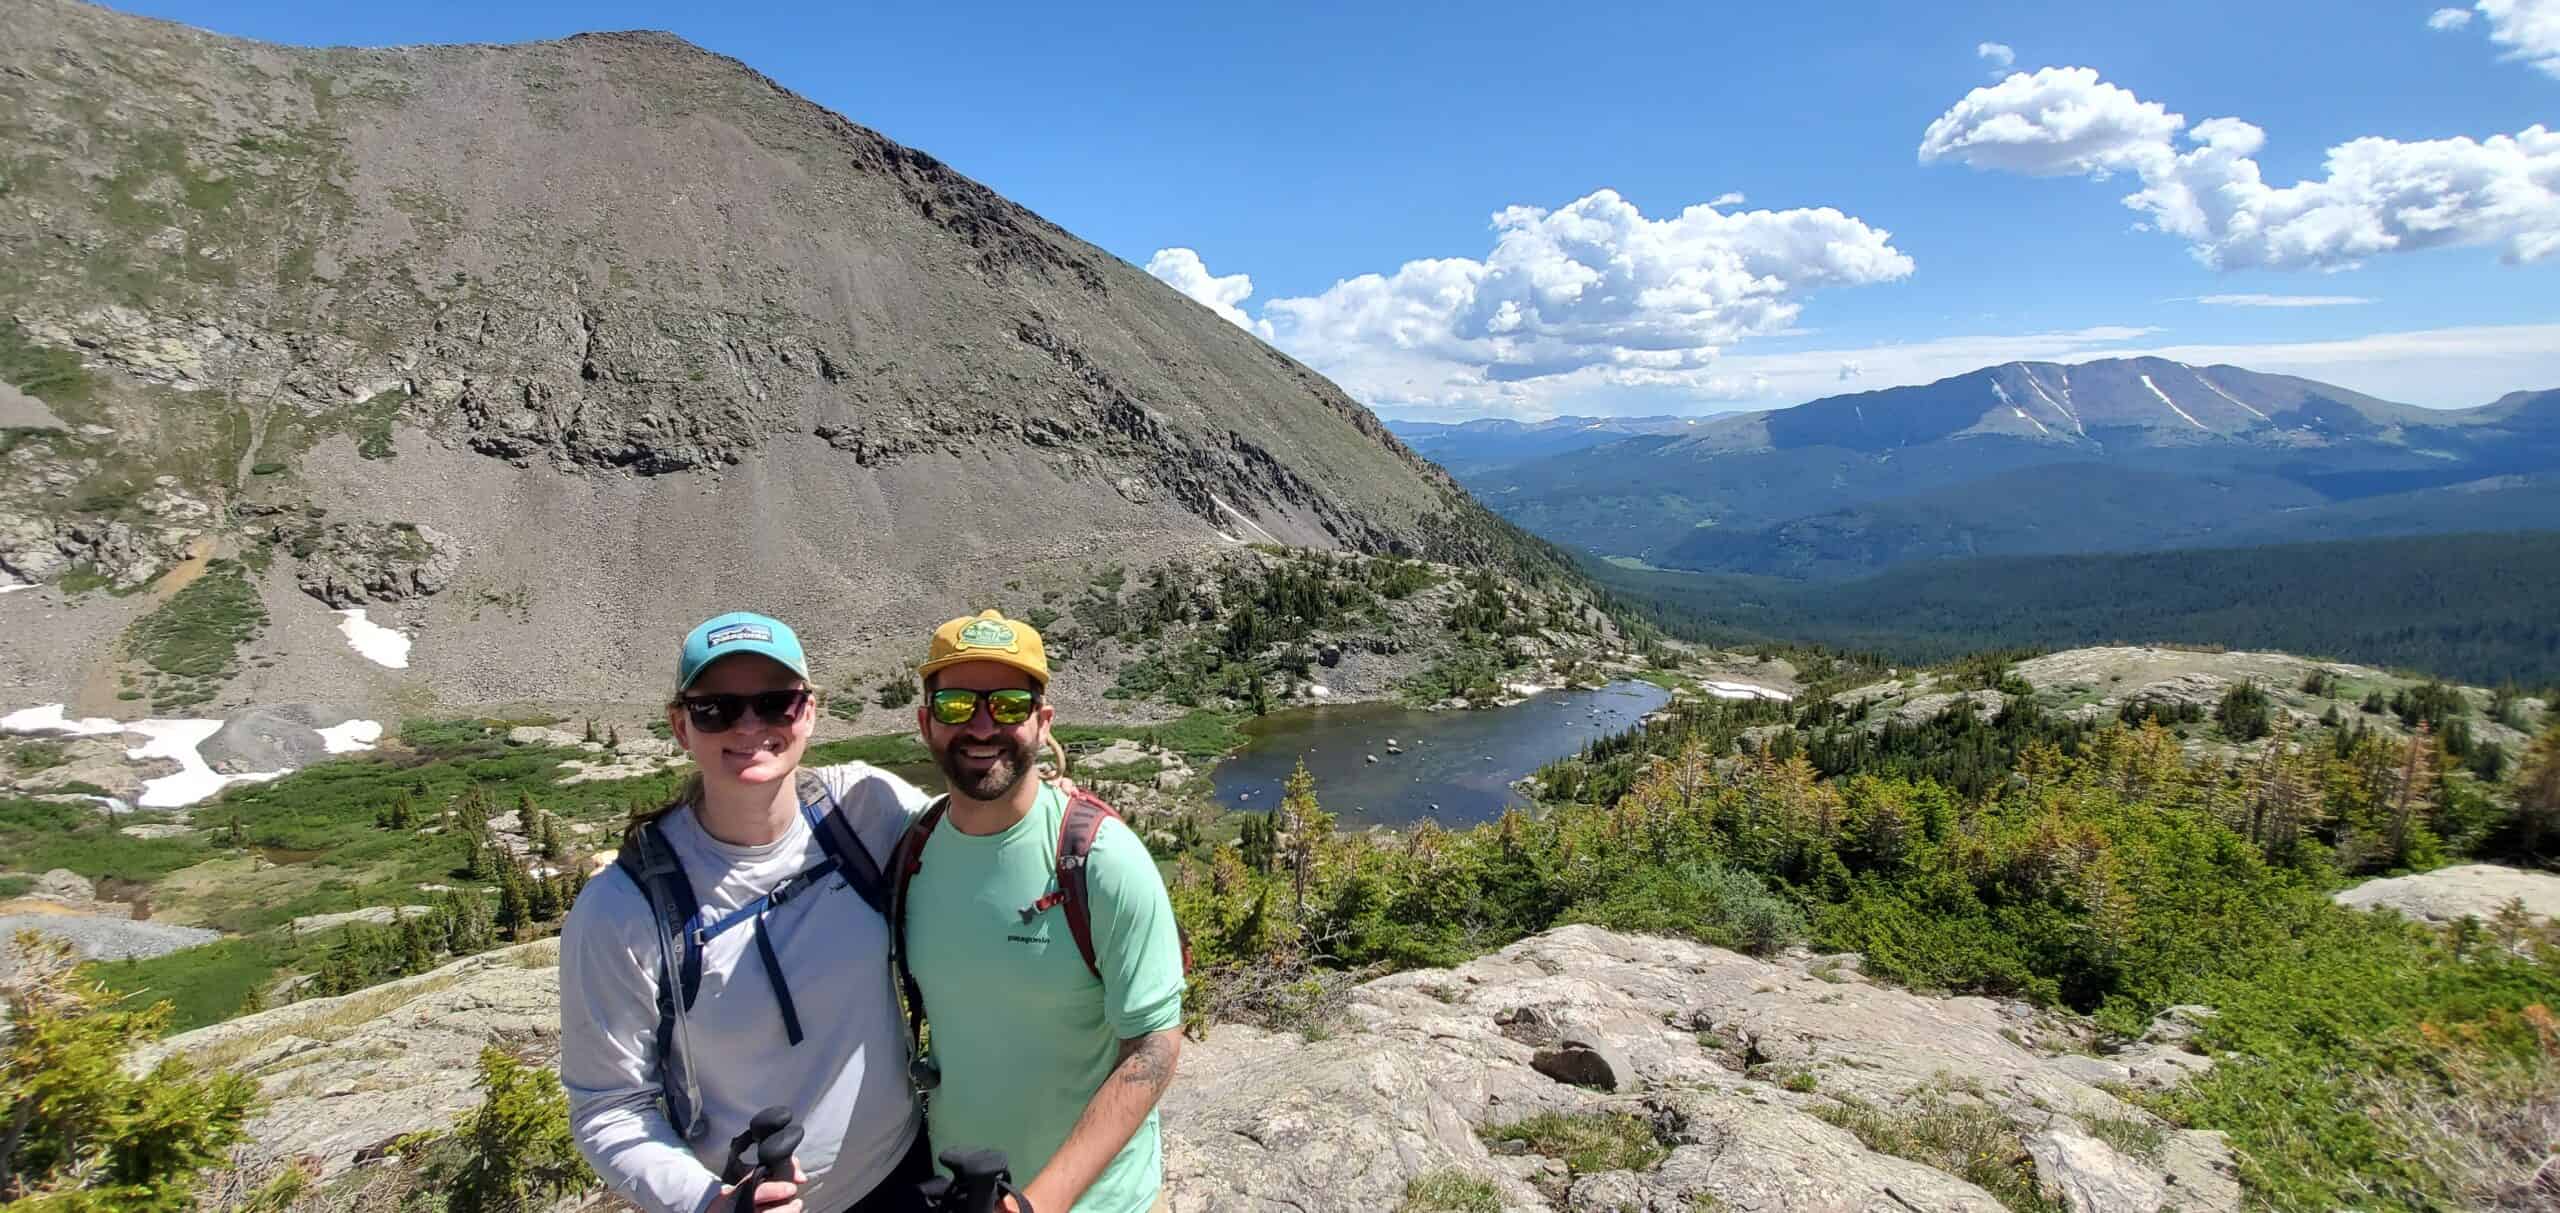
(2018, 459)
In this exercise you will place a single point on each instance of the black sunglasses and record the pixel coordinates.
(718, 711)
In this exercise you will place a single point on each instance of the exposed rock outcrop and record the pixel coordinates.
(163, 524)
(1731, 1061)
(349, 564)
(1734, 1058)
(279, 738)
(347, 1073)
(2476, 890)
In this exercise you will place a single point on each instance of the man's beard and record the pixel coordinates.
(997, 779)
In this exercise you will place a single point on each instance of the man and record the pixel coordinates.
(1056, 1064)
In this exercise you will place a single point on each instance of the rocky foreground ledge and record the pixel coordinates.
(1726, 1058)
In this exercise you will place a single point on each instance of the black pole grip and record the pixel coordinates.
(742, 1147)
(773, 1158)
(773, 1154)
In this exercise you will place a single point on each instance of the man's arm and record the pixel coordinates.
(1139, 952)
(1138, 1079)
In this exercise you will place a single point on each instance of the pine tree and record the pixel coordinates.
(83, 1129)
(417, 955)
(2412, 792)
(542, 899)
(2537, 789)
(2243, 713)
(475, 856)
(514, 1152)
(1310, 828)
(612, 737)
(515, 910)
(1260, 843)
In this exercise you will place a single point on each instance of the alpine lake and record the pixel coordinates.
(1384, 764)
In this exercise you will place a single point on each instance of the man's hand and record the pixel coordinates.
(771, 1196)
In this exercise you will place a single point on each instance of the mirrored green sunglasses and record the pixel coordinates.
(956, 706)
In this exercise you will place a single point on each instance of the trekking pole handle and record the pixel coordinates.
(742, 1147)
(773, 1158)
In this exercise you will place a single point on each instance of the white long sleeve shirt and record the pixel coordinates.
(845, 1082)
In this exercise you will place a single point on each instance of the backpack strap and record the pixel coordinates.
(904, 862)
(843, 847)
(652, 865)
(1077, 829)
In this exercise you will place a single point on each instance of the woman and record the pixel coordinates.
(731, 959)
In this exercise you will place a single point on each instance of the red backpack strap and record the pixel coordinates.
(1077, 828)
(905, 860)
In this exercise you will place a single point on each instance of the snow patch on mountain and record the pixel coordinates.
(386, 647)
(2173, 405)
(2217, 390)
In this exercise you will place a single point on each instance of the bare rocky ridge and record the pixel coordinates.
(1704, 1044)
(593, 312)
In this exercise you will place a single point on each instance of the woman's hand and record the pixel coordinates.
(771, 1196)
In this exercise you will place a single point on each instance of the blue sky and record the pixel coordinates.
(1306, 146)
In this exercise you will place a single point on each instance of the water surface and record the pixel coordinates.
(1456, 768)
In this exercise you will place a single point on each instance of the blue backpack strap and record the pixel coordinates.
(756, 912)
(844, 848)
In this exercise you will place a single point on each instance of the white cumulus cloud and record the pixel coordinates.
(1593, 294)
(2380, 195)
(1849, 371)
(2060, 121)
(1182, 269)
(2529, 29)
(2282, 300)
(2448, 18)
(1998, 53)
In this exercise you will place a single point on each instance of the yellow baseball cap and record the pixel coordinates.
(987, 636)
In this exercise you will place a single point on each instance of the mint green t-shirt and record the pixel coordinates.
(1023, 1032)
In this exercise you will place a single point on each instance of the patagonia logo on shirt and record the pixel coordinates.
(739, 631)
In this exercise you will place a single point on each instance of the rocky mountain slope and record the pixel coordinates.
(537, 353)
(2029, 457)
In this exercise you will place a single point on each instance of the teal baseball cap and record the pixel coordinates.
(734, 633)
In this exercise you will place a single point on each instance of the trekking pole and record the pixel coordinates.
(773, 1158)
(979, 1178)
(742, 1147)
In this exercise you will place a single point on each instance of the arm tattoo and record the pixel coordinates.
(1146, 1062)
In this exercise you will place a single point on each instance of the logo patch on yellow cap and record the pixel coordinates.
(988, 634)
